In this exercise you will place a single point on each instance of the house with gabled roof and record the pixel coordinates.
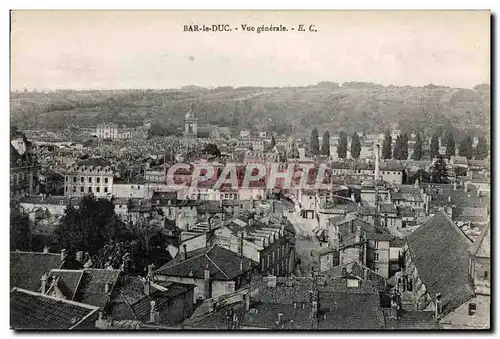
(214, 271)
(36, 311)
(440, 266)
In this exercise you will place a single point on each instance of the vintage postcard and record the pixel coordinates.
(250, 170)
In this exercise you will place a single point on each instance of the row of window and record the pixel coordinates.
(82, 189)
(82, 179)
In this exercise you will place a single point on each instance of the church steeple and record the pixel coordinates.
(191, 123)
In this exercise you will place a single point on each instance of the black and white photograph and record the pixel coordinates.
(239, 170)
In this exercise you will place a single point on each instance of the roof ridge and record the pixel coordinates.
(206, 254)
(76, 303)
(455, 227)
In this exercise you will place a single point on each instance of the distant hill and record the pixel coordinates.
(354, 106)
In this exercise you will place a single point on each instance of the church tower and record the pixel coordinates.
(190, 123)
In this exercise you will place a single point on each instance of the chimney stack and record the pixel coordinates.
(439, 305)
(147, 286)
(377, 162)
(44, 282)
(280, 318)
(466, 186)
(455, 185)
(314, 311)
(63, 254)
(79, 256)
(153, 316)
(207, 284)
(247, 302)
(106, 288)
(46, 249)
(184, 252)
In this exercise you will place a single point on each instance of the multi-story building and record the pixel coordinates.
(94, 175)
(24, 167)
(268, 241)
(107, 131)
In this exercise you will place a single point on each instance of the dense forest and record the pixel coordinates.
(354, 106)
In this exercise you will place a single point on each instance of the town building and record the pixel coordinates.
(214, 271)
(448, 274)
(24, 167)
(90, 176)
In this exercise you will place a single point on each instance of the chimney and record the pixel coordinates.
(455, 185)
(46, 249)
(466, 186)
(247, 301)
(280, 319)
(207, 284)
(449, 198)
(241, 265)
(294, 305)
(240, 245)
(147, 286)
(439, 305)
(153, 318)
(63, 254)
(44, 282)
(184, 252)
(377, 162)
(106, 288)
(314, 311)
(79, 256)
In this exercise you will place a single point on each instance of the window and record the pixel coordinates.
(105, 180)
(377, 270)
(90, 189)
(66, 188)
(485, 275)
(74, 189)
(81, 179)
(352, 283)
(81, 189)
(105, 190)
(472, 309)
(375, 244)
(98, 180)
(375, 257)
(98, 189)
(90, 179)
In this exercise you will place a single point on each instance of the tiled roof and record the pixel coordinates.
(482, 246)
(411, 320)
(92, 286)
(69, 281)
(30, 310)
(265, 316)
(439, 250)
(388, 208)
(222, 264)
(350, 311)
(94, 162)
(26, 268)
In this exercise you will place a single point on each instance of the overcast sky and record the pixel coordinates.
(148, 49)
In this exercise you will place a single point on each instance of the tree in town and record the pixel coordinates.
(434, 147)
(342, 146)
(273, 142)
(482, 148)
(88, 227)
(439, 171)
(397, 151)
(387, 146)
(20, 230)
(450, 144)
(211, 149)
(417, 148)
(325, 145)
(404, 147)
(465, 148)
(314, 144)
(355, 146)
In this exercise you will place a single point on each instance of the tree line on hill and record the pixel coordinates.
(400, 149)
